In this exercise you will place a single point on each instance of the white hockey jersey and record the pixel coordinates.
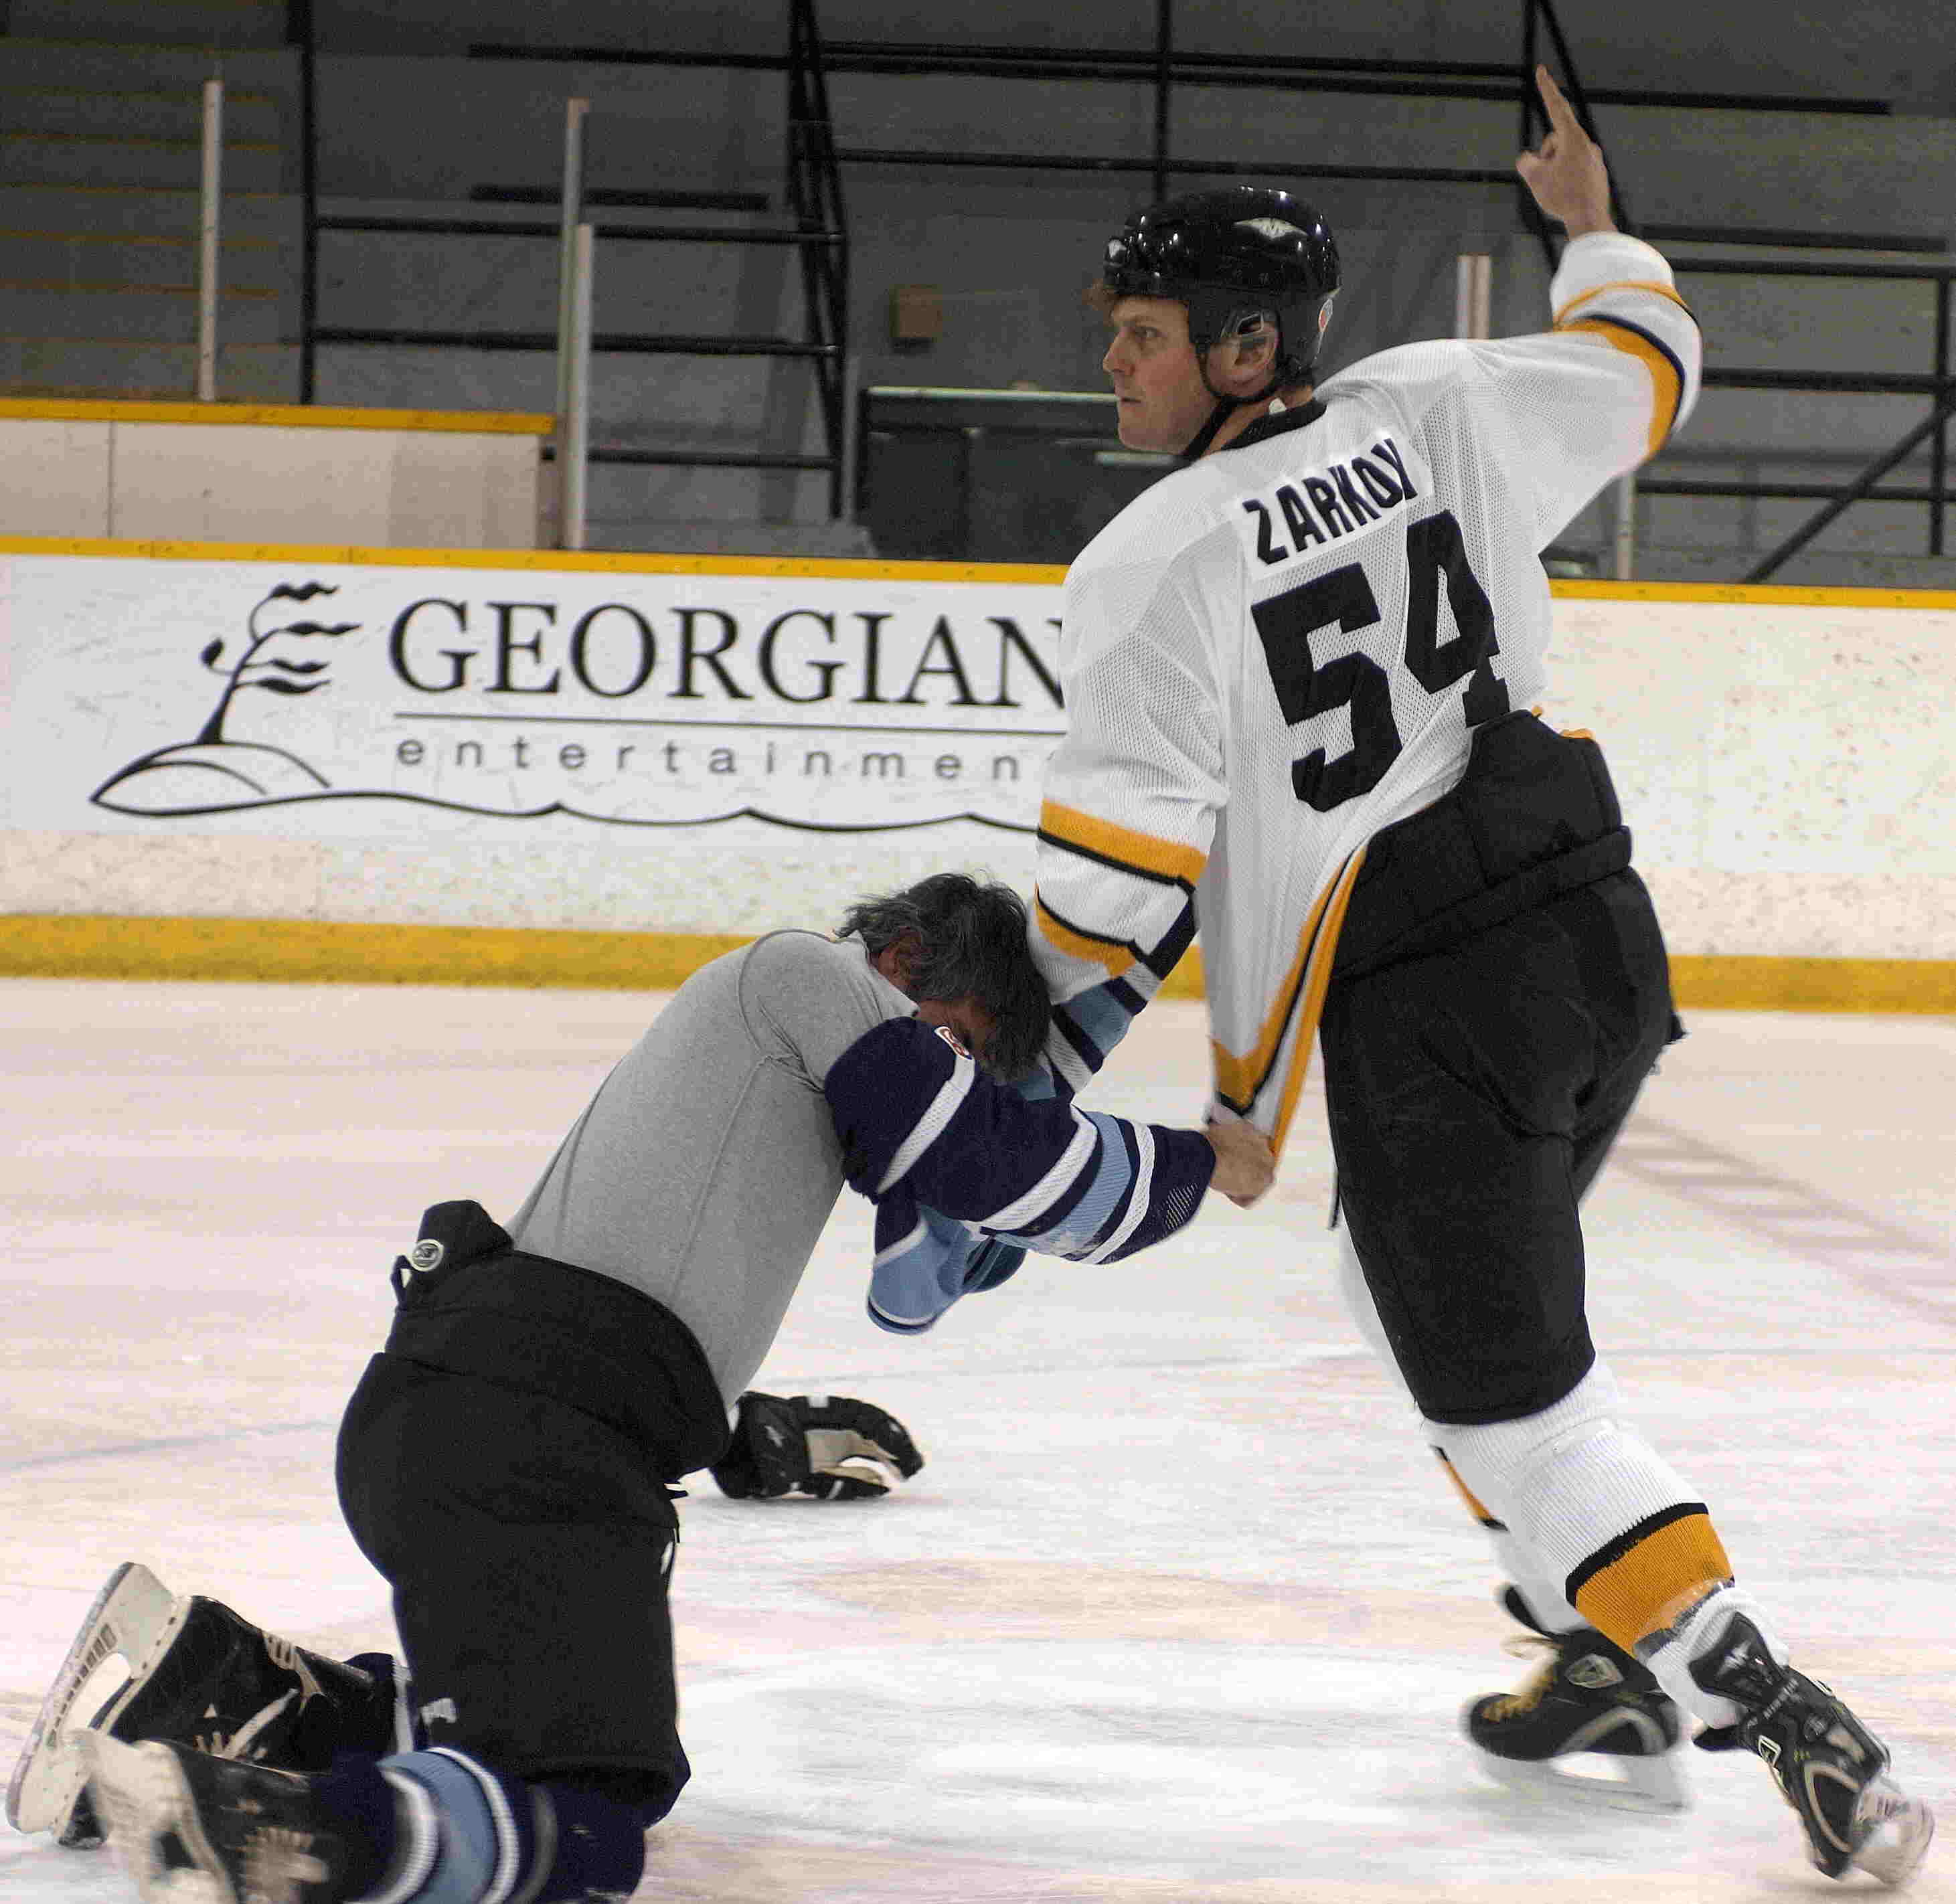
(1281, 649)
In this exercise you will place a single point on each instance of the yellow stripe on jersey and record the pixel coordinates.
(1237, 1077)
(1136, 852)
(1627, 284)
(1116, 957)
(1667, 389)
(1317, 981)
(1642, 1590)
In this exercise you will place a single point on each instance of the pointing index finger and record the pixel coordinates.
(1561, 114)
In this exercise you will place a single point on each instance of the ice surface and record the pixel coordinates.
(1179, 1610)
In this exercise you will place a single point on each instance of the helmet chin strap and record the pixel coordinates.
(1225, 407)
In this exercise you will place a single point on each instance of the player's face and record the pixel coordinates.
(967, 1020)
(1152, 367)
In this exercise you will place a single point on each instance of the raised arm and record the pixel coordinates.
(1566, 173)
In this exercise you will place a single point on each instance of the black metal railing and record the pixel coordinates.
(819, 233)
(814, 197)
(816, 159)
(303, 32)
(1938, 386)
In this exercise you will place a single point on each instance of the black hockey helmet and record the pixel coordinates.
(1233, 256)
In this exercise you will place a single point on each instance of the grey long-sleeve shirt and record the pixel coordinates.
(703, 1170)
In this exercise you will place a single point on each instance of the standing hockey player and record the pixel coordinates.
(1297, 675)
(505, 1462)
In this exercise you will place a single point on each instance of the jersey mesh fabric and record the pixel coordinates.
(1275, 653)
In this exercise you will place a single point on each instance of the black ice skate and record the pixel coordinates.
(196, 1674)
(1586, 1698)
(1830, 1768)
(190, 1828)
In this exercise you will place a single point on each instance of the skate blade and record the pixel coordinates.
(142, 1797)
(1893, 1851)
(134, 1617)
(1613, 1780)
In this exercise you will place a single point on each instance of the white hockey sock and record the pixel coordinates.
(1593, 1508)
(1537, 1582)
(1702, 1631)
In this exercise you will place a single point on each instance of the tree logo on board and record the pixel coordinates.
(211, 772)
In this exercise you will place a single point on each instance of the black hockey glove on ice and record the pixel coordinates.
(828, 1445)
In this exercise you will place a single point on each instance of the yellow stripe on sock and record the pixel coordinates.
(1643, 1588)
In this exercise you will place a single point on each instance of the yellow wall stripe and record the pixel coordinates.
(1142, 852)
(1626, 284)
(1731, 593)
(1740, 984)
(278, 416)
(1759, 594)
(314, 951)
(568, 561)
(1668, 392)
(1665, 1573)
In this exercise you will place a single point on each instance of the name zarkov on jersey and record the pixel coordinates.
(1311, 512)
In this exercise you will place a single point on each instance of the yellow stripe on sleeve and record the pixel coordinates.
(1667, 389)
(1079, 945)
(1627, 284)
(1140, 853)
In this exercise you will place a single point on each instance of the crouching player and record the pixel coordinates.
(505, 1462)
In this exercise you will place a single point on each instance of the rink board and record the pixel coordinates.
(541, 767)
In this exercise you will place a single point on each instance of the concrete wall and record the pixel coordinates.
(409, 123)
(1009, 249)
(158, 471)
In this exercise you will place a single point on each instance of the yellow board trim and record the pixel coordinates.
(312, 951)
(1768, 594)
(583, 562)
(1186, 981)
(319, 952)
(1140, 852)
(567, 561)
(280, 416)
(1667, 389)
(1745, 984)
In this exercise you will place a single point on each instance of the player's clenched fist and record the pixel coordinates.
(831, 1447)
(1245, 1162)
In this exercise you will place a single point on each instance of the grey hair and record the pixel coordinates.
(969, 941)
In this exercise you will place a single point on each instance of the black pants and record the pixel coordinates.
(1500, 994)
(1473, 1095)
(504, 1466)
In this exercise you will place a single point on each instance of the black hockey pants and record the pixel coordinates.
(503, 1463)
(1501, 994)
